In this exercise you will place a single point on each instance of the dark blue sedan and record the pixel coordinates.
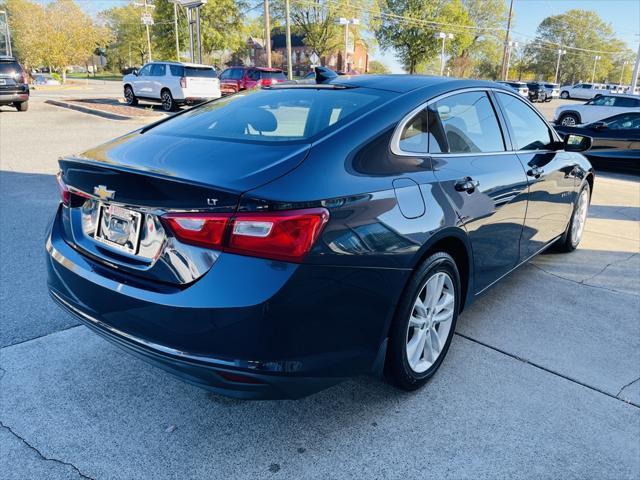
(272, 243)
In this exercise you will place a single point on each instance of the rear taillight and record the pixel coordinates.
(265, 82)
(286, 235)
(65, 194)
(183, 82)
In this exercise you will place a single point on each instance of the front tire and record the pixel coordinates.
(569, 119)
(22, 106)
(564, 95)
(424, 323)
(572, 236)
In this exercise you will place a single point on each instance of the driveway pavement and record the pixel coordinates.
(542, 380)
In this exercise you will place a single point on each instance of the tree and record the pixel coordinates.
(129, 41)
(376, 66)
(583, 29)
(410, 27)
(57, 35)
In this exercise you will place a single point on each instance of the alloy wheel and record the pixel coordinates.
(579, 217)
(167, 101)
(568, 121)
(128, 96)
(430, 322)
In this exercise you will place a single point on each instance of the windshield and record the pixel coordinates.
(278, 115)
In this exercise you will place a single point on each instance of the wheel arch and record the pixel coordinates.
(570, 112)
(455, 242)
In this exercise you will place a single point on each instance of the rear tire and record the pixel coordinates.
(130, 97)
(569, 119)
(424, 323)
(22, 106)
(572, 236)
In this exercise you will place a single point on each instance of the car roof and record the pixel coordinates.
(184, 64)
(405, 83)
(625, 95)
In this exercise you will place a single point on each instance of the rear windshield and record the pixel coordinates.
(199, 72)
(272, 75)
(203, 72)
(9, 68)
(278, 115)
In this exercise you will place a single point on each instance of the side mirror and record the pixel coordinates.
(135, 71)
(576, 143)
(599, 126)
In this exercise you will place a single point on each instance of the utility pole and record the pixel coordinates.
(175, 24)
(267, 32)
(503, 73)
(346, 22)
(443, 36)
(7, 33)
(288, 34)
(560, 53)
(595, 61)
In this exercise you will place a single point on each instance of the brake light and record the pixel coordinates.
(287, 235)
(65, 194)
(183, 82)
(265, 82)
(203, 229)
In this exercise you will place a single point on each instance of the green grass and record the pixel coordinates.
(98, 76)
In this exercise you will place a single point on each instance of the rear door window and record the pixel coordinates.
(528, 130)
(469, 124)
(9, 68)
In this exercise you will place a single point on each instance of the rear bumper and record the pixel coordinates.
(9, 97)
(289, 330)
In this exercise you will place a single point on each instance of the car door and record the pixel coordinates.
(616, 141)
(157, 79)
(484, 181)
(141, 85)
(550, 174)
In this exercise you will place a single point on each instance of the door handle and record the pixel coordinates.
(467, 184)
(535, 172)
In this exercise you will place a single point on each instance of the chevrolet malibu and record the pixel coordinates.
(272, 243)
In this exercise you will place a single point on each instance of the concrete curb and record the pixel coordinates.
(91, 111)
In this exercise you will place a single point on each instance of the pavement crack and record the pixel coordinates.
(42, 456)
(627, 386)
(607, 266)
(548, 370)
(42, 336)
(581, 282)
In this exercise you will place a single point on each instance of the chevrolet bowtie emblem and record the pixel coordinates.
(103, 192)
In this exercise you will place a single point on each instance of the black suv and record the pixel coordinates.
(14, 89)
(537, 92)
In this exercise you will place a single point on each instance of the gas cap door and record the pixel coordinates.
(409, 197)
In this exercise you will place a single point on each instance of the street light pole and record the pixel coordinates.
(624, 64)
(560, 53)
(175, 24)
(636, 70)
(443, 36)
(267, 32)
(288, 35)
(346, 22)
(595, 61)
(146, 11)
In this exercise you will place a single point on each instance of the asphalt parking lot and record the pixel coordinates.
(542, 380)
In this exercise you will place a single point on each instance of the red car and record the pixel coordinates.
(234, 79)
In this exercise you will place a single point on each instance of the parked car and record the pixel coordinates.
(553, 91)
(14, 88)
(271, 244)
(615, 141)
(602, 106)
(236, 79)
(519, 87)
(172, 84)
(582, 91)
(44, 79)
(537, 92)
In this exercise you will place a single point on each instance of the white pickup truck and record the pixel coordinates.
(582, 91)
